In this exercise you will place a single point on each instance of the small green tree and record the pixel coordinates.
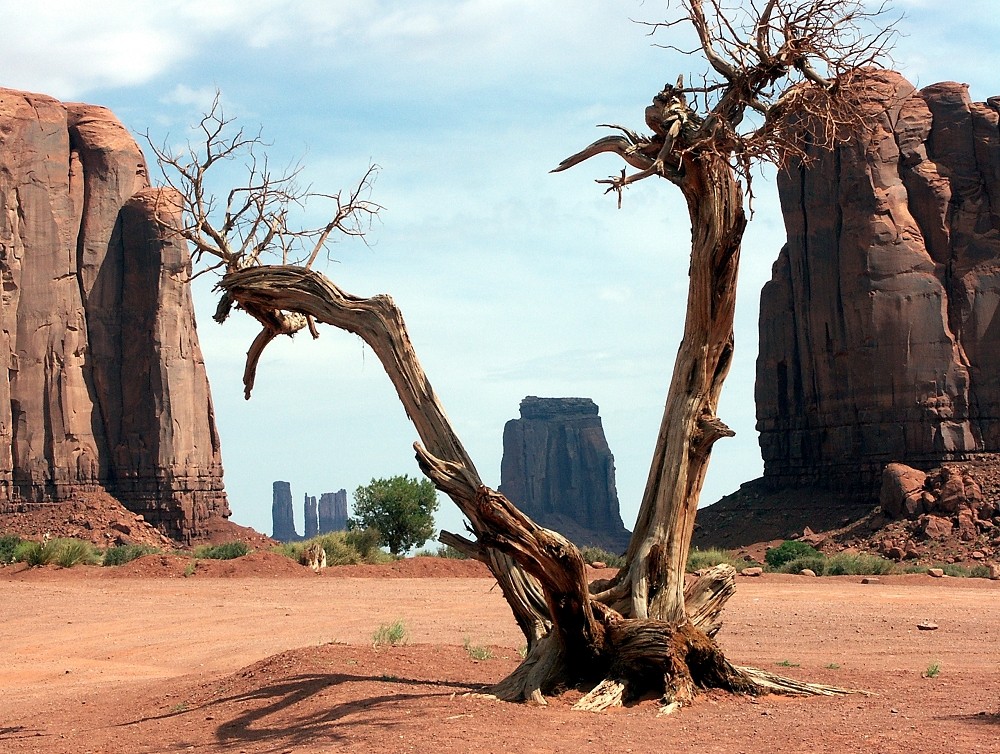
(400, 508)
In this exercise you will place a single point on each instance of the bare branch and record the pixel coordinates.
(256, 220)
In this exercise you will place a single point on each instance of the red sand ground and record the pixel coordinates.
(260, 655)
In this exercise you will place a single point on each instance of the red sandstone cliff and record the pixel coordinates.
(105, 385)
(880, 331)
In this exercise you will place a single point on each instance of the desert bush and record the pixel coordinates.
(858, 564)
(33, 553)
(341, 547)
(224, 551)
(366, 542)
(71, 552)
(8, 545)
(598, 555)
(815, 563)
(698, 559)
(776, 557)
(390, 634)
(122, 554)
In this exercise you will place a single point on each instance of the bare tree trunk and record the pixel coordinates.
(657, 554)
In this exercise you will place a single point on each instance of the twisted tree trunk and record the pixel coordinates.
(635, 633)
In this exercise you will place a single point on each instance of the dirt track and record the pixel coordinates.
(245, 664)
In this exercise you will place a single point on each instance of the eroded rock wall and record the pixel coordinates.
(333, 511)
(880, 339)
(105, 386)
(558, 469)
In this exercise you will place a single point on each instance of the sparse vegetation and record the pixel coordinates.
(190, 569)
(787, 664)
(477, 652)
(122, 554)
(342, 548)
(224, 551)
(599, 555)
(70, 552)
(933, 670)
(63, 552)
(788, 551)
(8, 545)
(832, 666)
(698, 559)
(390, 635)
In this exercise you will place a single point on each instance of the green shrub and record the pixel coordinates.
(789, 550)
(699, 559)
(8, 545)
(225, 551)
(390, 634)
(365, 541)
(72, 552)
(858, 564)
(33, 553)
(815, 563)
(598, 555)
(122, 554)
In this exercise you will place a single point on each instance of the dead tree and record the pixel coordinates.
(781, 74)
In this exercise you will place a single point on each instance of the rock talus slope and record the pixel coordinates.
(880, 336)
(105, 386)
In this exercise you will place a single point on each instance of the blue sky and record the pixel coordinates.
(513, 282)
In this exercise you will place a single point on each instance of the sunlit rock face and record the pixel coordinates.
(105, 385)
(879, 334)
(558, 469)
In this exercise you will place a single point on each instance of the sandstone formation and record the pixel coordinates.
(282, 514)
(312, 517)
(333, 511)
(558, 469)
(879, 330)
(105, 387)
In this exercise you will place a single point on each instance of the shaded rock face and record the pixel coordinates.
(105, 386)
(282, 513)
(312, 516)
(880, 334)
(558, 469)
(333, 511)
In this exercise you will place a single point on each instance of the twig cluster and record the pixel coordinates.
(256, 219)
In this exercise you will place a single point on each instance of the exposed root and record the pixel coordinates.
(770, 683)
(542, 669)
(608, 693)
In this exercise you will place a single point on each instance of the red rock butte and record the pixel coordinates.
(106, 385)
(879, 329)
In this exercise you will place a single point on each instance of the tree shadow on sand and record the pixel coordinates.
(292, 712)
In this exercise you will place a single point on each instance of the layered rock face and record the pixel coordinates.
(105, 386)
(558, 469)
(333, 511)
(879, 330)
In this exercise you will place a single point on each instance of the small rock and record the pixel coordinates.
(753, 571)
(598, 564)
(869, 580)
(807, 572)
(995, 571)
(977, 555)
(927, 626)
(935, 572)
